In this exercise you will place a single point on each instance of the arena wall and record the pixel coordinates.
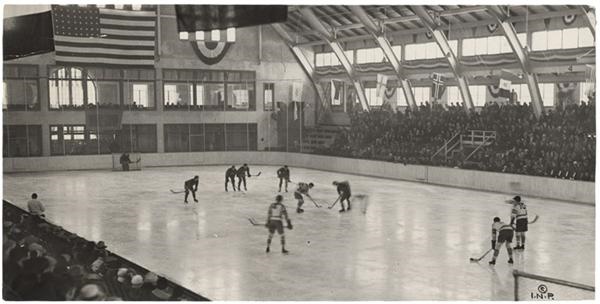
(566, 190)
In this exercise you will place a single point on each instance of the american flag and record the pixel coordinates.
(104, 36)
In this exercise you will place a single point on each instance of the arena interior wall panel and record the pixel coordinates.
(544, 187)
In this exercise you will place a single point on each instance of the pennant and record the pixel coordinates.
(504, 85)
(437, 86)
(336, 87)
(381, 84)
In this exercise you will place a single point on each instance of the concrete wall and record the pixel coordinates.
(567, 190)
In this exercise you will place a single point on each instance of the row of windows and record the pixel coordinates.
(26, 140)
(478, 94)
(73, 89)
(541, 41)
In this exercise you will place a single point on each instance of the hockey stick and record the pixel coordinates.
(480, 258)
(176, 192)
(535, 218)
(316, 205)
(335, 202)
(253, 222)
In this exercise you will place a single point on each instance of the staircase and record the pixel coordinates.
(319, 137)
(462, 146)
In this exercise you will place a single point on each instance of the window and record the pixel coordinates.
(585, 37)
(468, 47)
(481, 46)
(139, 95)
(105, 93)
(210, 90)
(21, 88)
(422, 94)
(397, 49)
(240, 96)
(329, 59)
(523, 39)
(504, 45)
(268, 96)
(178, 95)
(478, 95)
(453, 47)
(410, 50)
(493, 45)
(66, 88)
(370, 55)
(400, 98)
(136, 138)
(210, 137)
(547, 92)
(585, 90)
(568, 38)
(350, 55)
(454, 95)
(372, 98)
(522, 93)
(22, 140)
(76, 140)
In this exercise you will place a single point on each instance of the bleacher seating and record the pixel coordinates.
(43, 262)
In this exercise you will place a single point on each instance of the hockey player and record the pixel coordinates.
(275, 217)
(191, 185)
(125, 161)
(343, 189)
(518, 218)
(501, 233)
(284, 175)
(241, 175)
(230, 177)
(300, 191)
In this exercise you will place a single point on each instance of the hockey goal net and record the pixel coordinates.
(119, 161)
(532, 287)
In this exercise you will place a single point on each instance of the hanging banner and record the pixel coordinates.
(297, 91)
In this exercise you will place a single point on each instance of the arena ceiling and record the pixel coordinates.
(339, 19)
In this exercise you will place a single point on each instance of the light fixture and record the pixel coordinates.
(183, 36)
(215, 35)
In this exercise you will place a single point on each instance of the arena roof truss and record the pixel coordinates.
(335, 26)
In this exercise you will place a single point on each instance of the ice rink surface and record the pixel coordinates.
(413, 242)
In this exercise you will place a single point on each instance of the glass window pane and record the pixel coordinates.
(400, 98)
(397, 49)
(410, 51)
(493, 45)
(480, 46)
(554, 39)
(570, 38)
(539, 41)
(504, 45)
(468, 47)
(319, 60)
(586, 39)
(522, 39)
(430, 50)
(350, 55)
(178, 96)
(420, 51)
(453, 46)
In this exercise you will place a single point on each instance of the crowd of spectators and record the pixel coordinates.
(43, 262)
(561, 143)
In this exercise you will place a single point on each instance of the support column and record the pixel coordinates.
(314, 22)
(377, 32)
(304, 62)
(442, 41)
(522, 55)
(590, 19)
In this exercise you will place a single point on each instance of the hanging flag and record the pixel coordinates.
(105, 36)
(295, 111)
(504, 84)
(437, 86)
(297, 91)
(389, 100)
(381, 84)
(336, 88)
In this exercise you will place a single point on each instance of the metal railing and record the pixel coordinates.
(448, 146)
(517, 274)
(476, 137)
